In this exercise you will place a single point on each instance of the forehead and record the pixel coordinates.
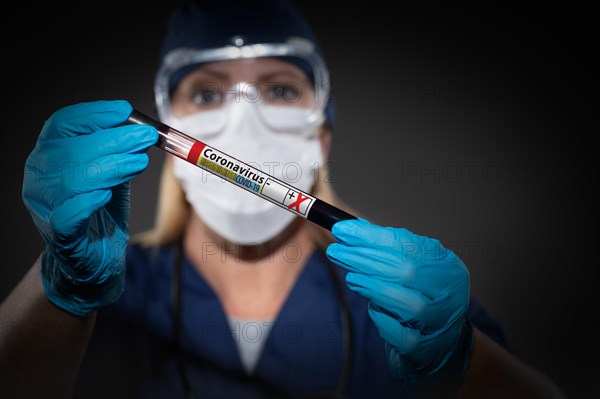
(247, 69)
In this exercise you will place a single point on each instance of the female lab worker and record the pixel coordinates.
(248, 300)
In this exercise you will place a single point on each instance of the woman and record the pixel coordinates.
(365, 311)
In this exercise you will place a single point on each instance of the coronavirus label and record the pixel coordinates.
(250, 179)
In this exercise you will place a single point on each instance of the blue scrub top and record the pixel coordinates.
(303, 352)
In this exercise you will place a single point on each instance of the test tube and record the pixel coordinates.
(227, 167)
(169, 139)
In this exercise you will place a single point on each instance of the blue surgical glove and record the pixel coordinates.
(76, 188)
(418, 294)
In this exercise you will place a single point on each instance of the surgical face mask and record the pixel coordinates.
(240, 131)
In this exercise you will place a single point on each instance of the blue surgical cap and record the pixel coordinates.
(209, 24)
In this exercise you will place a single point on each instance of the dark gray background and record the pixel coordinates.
(465, 123)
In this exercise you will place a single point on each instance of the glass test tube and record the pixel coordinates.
(264, 185)
(170, 140)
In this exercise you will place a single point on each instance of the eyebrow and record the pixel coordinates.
(285, 72)
(267, 76)
(216, 74)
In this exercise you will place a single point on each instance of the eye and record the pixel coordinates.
(283, 92)
(206, 97)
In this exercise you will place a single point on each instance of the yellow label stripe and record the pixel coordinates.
(218, 169)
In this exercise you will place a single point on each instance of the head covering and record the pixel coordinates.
(218, 23)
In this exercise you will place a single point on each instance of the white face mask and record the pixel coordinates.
(293, 156)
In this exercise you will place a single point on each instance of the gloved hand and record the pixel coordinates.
(76, 188)
(418, 294)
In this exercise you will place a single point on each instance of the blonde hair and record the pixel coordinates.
(173, 210)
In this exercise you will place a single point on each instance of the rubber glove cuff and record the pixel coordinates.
(444, 377)
(81, 296)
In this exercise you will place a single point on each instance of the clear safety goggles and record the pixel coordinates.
(284, 97)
